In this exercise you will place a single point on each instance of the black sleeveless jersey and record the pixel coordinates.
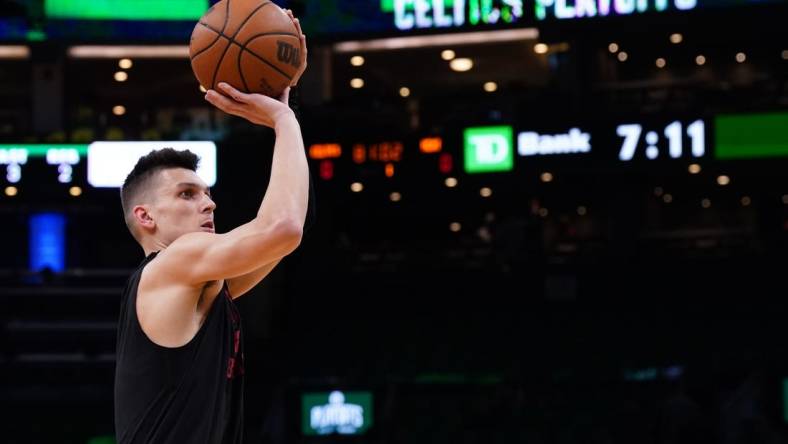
(190, 394)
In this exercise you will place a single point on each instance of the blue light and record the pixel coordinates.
(47, 241)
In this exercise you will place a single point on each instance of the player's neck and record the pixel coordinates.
(152, 245)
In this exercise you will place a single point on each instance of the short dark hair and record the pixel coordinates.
(146, 168)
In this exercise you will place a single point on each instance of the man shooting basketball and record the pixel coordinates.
(179, 374)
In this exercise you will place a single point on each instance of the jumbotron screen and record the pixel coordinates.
(126, 9)
(100, 20)
(344, 18)
(173, 20)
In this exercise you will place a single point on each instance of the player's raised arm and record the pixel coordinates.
(276, 230)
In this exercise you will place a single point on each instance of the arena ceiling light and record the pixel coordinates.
(14, 52)
(461, 64)
(128, 52)
(421, 41)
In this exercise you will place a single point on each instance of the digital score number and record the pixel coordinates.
(385, 152)
(674, 140)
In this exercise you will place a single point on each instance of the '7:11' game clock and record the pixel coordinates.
(675, 140)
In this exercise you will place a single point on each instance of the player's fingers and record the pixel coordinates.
(304, 52)
(234, 93)
(292, 17)
(302, 67)
(223, 103)
(297, 24)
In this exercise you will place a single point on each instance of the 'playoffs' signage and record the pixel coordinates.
(570, 9)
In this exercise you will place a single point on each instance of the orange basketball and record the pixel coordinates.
(250, 44)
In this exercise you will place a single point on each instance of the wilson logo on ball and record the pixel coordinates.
(287, 53)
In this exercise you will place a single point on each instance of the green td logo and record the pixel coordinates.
(489, 149)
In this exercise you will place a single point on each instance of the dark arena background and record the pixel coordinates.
(538, 221)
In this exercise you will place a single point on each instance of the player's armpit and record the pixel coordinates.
(238, 286)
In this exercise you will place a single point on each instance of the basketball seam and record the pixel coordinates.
(243, 49)
(241, 26)
(265, 34)
(219, 33)
(231, 39)
(243, 46)
(226, 17)
(241, 71)
(218, 36)
(291, 34)
(262, 59)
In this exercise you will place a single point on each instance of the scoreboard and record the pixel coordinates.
(638, 144)
(60, 158)
(99, 164)
(618, 143)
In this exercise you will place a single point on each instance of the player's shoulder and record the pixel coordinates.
(171, 264)
(186, 247)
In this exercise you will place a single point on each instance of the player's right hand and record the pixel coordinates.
(256, 108)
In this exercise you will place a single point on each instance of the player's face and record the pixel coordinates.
(183, 204)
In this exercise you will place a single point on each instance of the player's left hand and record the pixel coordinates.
(302, 51)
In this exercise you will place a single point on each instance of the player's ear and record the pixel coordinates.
(143, 218)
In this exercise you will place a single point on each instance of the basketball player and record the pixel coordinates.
(179, 374)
